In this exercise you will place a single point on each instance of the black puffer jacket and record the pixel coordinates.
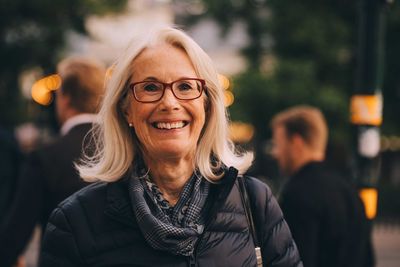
(96, 227)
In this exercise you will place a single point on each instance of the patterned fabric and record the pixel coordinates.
(174, 229)
(159, 199)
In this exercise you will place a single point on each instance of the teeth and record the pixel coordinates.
(167, 125)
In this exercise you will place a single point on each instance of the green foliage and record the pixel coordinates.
(299, 53)
(252, 12)
(319, 37)
(32, 34)
(259, 97)
(313, 47)
(315, 44)
(391, 85)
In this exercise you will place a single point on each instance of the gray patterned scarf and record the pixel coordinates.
(174, 229)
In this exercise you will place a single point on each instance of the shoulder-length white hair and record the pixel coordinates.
(116, 145)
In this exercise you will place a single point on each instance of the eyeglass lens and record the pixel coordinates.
(186, 89)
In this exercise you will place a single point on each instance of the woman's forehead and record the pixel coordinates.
(162, 60)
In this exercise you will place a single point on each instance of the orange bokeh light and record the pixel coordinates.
(41, 89)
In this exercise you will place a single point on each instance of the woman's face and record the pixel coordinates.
(168, 128)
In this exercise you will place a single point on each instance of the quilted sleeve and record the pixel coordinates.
(59, 246)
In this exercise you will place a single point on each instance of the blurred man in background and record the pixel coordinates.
(10, 158)
(323, 211)
(48, 175)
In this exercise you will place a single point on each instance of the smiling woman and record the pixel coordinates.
(160, 143)
(167, 193)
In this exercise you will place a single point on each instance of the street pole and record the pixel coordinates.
(367, 102)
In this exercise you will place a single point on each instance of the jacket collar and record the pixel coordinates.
(219, 193)
(310, 166)
(83, 118)
(118, 205)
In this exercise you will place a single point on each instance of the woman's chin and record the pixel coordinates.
(172, 150)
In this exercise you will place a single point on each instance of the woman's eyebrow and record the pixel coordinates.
(150, 78)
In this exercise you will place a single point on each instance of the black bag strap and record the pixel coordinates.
(247, 209)
(249, 215)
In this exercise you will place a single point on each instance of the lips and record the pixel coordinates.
(169, 125)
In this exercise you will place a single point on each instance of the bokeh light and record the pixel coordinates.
(224, 81)
(42, 89)
(241, 132)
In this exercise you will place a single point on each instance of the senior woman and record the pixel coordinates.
(168, 194)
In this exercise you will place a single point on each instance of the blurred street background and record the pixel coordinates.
(273, 54)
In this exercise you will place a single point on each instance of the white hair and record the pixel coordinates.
(116, 146)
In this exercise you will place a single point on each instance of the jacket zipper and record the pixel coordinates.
(192, 257)
(192, 260)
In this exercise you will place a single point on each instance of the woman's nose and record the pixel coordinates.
(169, 100)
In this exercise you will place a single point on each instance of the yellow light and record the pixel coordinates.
(224, 81)
(41, 89)
(370, 198)
(366, 109)
(53, 82)
(40, 94)
(241, 132)
(228, 98)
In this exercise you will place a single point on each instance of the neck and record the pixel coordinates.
(307, 157)
(170, 175)
(67, 114)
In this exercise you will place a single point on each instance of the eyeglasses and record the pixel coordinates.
(153, 91)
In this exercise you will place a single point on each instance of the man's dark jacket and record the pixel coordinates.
(97, 227)
(47, 177)
(326, 218)
(10, 159)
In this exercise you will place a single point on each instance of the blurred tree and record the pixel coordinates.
(32, 34)
(299, 53)
(303, 53)
(227, 12)
(314, 46)
(391, 85)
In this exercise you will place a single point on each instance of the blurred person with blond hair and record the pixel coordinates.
(323, 211)
(167, 191)
(48, 176)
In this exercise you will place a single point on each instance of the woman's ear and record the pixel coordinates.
(206, 102)
(124, 108)
(128, 117)
(126, 114)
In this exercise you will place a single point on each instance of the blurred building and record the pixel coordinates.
(109, 35)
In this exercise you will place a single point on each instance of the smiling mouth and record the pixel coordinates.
(169, 125)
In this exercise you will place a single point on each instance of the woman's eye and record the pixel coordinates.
(151, 87)
(185, 86)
